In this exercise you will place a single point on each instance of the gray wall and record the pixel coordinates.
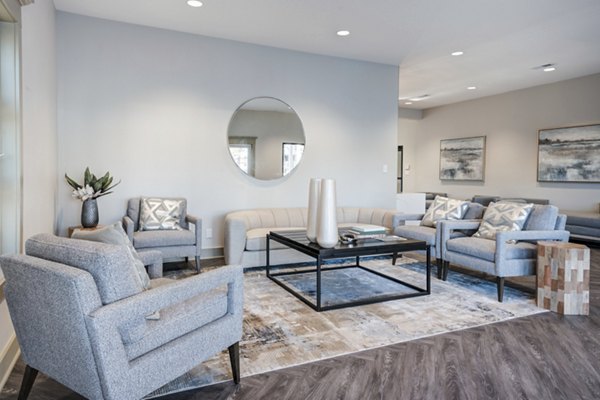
(152, 106)
(511, 122)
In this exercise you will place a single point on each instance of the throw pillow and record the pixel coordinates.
(159, 214)
(444, 208)
(503, 217)
(114, 234)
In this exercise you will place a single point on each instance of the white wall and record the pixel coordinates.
(152, 107)
(39, 138)
(511, 122)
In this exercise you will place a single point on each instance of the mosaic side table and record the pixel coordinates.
(563, 278)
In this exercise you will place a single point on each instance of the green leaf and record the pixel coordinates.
(72, 183)
(87, 177)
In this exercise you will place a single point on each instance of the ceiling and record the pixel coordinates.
(502, 40)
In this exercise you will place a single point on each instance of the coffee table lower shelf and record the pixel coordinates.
(326, 295)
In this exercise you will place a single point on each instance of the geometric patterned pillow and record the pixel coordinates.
(503, 217)
(444, 208)
(159, 214)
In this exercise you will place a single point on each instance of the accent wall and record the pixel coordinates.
(152, 106)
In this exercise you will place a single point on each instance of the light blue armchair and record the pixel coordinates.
(431, 235)
(83, 319)
(510, 254)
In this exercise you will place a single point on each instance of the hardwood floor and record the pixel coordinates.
(545, 356)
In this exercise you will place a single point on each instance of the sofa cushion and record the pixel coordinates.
(444, 208)
(160, 214)
(256, 239)
(174, 322)
(541, 218)
(109, 264)
(424, 233)
(585, 219)
(145, 239)
(114, 234)
(503, 217)
(474, 211)
(486, 248)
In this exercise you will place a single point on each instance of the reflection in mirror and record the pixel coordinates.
(266, 138)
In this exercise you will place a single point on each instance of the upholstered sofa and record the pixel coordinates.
(485, 200)
(245, 231)
(584, 226)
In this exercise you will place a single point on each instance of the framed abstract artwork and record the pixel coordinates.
(462, 159)
(570, 154)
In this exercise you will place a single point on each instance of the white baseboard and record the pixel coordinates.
(212, 252)
(8, 358)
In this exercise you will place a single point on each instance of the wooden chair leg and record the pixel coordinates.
(440, 267)
(198, 264)
(394, 258)
(234, 357)
(28, 379)
(500, 285)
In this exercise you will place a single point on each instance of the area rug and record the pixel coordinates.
(280, 331)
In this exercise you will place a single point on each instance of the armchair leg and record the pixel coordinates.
(440, 267)
(234, 357)
(500, 285)
(198, 264)
(394, 258)
(445, 270)
(28, 379)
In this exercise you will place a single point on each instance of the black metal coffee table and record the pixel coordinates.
(363, 247)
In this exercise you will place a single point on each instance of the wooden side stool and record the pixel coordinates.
(563, 278)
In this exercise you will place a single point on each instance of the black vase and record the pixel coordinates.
(89, 213)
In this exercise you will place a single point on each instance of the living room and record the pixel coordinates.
(152, 106)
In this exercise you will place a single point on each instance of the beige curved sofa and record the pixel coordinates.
(245, 231)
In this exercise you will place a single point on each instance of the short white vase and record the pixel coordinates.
(327, 230)
(314, 189)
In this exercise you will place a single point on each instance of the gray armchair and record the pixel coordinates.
(82, 318)
(431, 235)
(510, 254)
(186, 242)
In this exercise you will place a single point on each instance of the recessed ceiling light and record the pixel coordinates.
(343, 33)
(419, 98)
(546, 67)
(408, 103)
(457, 53)
(194, 3)
(471, 87)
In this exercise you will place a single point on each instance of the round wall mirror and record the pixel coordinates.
(266, 138)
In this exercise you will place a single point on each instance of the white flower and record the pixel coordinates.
(83, 193)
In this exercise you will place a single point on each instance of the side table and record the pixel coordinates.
(72, 229)
(563, 278)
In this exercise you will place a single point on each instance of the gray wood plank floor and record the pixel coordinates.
(545, 356)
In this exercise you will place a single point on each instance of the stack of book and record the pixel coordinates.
(367, 231)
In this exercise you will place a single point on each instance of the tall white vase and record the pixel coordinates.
(314, 189)
(327, 230)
